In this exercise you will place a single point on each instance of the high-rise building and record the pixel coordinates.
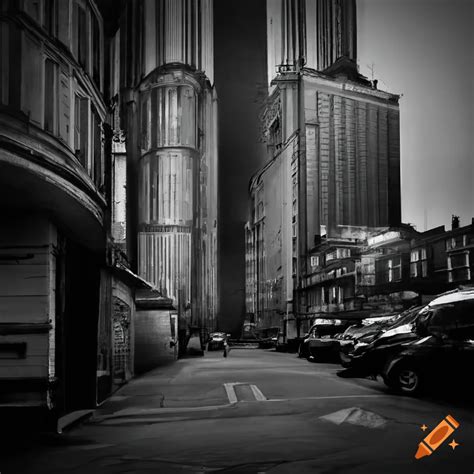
(333, 152)
(168, 110)
(108, 194)
(67, 298)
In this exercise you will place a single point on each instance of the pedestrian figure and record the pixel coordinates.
(226, 348)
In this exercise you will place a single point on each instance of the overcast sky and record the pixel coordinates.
(423, 49)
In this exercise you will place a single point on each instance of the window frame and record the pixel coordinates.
(54, 99)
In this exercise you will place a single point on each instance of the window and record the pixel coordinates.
(343, 253)
(4, 62)
(96, 171)
(458, 267)
(81, 124)
(340, 296)
(80, 35)
(63, 14)
(33, 8)
(394, 269)
(50, 17)
(64, 106)
(274, 135)
(331, 255)
(418, 263)
(315, 261)
(95, 50)
(31, 81)
(456, 242)
(458, 260)
(50, 96)
(459, 274)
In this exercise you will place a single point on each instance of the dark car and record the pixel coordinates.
(364, 331)
(358, 353)
(217, 341)
(322, 340)
(442, 357)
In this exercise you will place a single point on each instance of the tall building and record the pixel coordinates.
(66, 298)
(333, 155)
(167, 104)
(108, 194)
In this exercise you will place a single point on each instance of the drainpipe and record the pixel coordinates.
(302, 225)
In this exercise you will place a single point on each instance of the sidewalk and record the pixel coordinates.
(170, 387)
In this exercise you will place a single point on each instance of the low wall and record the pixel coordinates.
(152, 339)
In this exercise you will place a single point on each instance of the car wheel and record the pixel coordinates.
(406, 379)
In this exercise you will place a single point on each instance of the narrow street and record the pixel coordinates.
(256, 411)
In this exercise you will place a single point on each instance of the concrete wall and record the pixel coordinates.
(152, 339)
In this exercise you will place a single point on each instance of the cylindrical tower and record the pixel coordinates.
(168, 111)
(168, 173)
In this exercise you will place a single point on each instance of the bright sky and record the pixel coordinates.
(423, 49)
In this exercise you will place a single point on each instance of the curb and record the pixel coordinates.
(72, 419)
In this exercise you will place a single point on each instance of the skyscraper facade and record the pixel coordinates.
(333, 155)
(168, 110)
(108, 194)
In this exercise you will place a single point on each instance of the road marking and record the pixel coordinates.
(356, 416)
(326, 398)
(232, 396)
(257, 393)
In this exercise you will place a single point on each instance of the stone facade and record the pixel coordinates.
(168, 111)
(333, 154)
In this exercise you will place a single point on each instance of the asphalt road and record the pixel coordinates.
(256, 411)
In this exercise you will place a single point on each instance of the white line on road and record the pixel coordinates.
(326, 398)
(258, 394)
(231, 395)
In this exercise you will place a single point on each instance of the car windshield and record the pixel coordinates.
(320, 330)
(455, 319)
(406, 317)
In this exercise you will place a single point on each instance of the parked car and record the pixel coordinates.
(217, 341)
(399, 327)
(322, 340)
(268, 337)
(442, 357)
(363, 331)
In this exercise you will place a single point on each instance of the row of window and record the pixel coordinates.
(82, 35)
(458, 266)
(327, 295)
(456, 242)
(316, 260)
(65, 111)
